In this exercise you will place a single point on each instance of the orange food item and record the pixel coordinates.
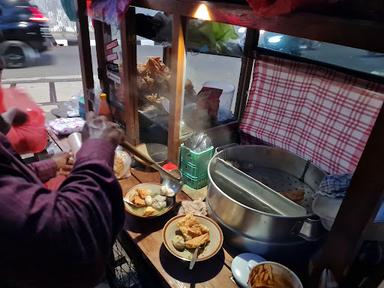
(138, 201)
(197, 241)
(143, 193)
(263, 276)
(294, 195)
(191, 228)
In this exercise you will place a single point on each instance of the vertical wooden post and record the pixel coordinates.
(178, 59)
(85, 53)
(129, 76)
(358, 209)
(247, 61)
(100, 52)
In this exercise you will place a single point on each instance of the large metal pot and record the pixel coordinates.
(249, 227)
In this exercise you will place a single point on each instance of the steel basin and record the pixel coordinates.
(249, 226)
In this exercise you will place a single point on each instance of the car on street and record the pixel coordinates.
(24, 33)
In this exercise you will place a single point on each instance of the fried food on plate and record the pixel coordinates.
(138, 201)
(197, 241)
(149, 211)
(191, 228)
(143, 192)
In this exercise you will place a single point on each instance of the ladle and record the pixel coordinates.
(169, 180)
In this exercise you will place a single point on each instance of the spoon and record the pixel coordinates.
(130, 203)
(194, 258)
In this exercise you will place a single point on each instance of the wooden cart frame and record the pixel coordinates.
(358, 209)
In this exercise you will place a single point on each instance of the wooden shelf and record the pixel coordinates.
(363, 34)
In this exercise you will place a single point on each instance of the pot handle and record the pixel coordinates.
(310, 229)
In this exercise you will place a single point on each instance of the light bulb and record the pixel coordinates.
(202, 13)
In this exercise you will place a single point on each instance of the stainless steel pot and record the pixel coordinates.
(250, 227)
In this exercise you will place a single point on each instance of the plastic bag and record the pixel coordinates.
(211, 36)
(32, 136)
(108, 11)
(199, 142)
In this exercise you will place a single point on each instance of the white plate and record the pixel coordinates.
(242, 264)
(155, 190)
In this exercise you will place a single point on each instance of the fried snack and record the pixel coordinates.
(138, 201)
(191, 228)
(143, 193)
(262, 276)
(153, 77)
(149, 211)
(197, 241)
(294, 195)
(118, 165)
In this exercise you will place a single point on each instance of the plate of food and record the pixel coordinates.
(183, 234)
(148, 200)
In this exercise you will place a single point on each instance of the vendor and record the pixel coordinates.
(59, 238)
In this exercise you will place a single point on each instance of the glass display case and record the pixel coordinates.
(213, 79)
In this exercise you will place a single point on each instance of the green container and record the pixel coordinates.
(195, 182)
(194, 166)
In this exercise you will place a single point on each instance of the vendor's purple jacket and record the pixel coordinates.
(58, 238)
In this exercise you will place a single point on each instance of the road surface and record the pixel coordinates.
(64, 61)
(200, 68)
(60, 61)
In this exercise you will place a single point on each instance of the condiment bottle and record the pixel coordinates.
(104, 109)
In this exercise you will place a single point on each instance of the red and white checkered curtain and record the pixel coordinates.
(317, 113)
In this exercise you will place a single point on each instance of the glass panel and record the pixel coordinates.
(154, 75)
(205, 107)
(153, 27)
(351, 58)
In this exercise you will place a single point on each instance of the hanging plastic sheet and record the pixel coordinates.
(208, 36)
(108, 11)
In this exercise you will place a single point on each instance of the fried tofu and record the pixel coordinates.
(143, 193)
(191, 228)
(138, 201)
(149, 211)
(197, 241)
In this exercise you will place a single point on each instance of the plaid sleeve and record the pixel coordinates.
(45, 169)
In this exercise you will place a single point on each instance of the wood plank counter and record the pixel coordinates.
(146, 236)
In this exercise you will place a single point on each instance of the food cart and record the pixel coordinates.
(119, 81)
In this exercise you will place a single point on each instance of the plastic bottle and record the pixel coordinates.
(104, 109)
(82, 112)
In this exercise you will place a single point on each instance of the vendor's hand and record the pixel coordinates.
(64, 163)
(101, 128)
(15, 117)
